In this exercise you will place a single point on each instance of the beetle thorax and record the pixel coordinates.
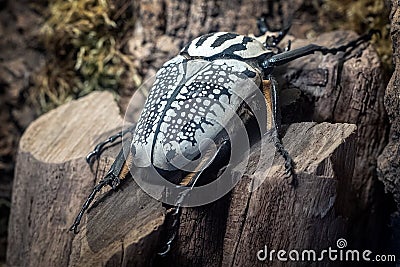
(224, 45)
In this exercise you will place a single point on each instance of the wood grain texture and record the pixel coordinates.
(389, 160)
(310, 216)
(123, 228)
(314, 215)
(347, 88)
(53, 179)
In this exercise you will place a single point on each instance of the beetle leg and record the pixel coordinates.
(285, 57)
(118, 170)
(175, 216)
(262, 25)
(271, 100)
(190, 181)
(289, 45)
(271, 41)
(96, 152)
(208, 160)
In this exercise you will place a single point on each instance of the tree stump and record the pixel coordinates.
(53, 179)
(314, 215)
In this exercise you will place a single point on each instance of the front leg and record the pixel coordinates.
(273, 116)
(192, 179)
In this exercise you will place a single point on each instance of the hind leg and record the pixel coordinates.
(190, 181)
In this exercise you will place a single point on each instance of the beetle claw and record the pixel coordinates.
(114, 183)
(165, 252)
(90, 156)
(74, 229)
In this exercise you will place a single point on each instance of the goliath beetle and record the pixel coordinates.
(201, 78)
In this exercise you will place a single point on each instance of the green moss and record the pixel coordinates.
(82, 39)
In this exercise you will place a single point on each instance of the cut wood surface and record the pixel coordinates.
(123, 229)
(53, 179)
(313, 215)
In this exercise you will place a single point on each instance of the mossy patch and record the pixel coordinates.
(84, 46)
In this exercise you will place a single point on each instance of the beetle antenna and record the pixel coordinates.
(273, 41)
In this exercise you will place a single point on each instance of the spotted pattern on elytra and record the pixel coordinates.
(183, 109)
(168, 77)
(199, 97)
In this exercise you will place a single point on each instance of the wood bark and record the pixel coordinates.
(347, 88)
(389, 160)
(277, 215)
(53, 179)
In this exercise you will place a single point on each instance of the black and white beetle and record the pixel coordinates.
(202, 71)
